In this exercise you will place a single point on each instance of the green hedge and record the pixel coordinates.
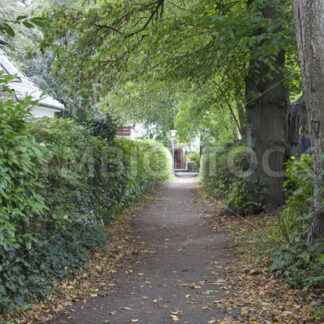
(59, 187)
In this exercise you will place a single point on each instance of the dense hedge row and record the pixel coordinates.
(59, 187)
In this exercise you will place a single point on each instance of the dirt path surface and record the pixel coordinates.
(180, 277)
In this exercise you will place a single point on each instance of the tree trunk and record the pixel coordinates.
(267, 118)
(309, 17)
(267, 112)
(297, 123)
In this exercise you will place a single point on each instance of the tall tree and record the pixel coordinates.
(241, 44)
(267, 96)
(309, 17)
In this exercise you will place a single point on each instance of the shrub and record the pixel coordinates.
(239, 197)
(21, 159)
(70, 184)
(223, 174)
(220, 168)
(195, 158)
(105, 127)
(291, 256)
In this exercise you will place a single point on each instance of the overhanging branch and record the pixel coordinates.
(156, 12)
(160, 5)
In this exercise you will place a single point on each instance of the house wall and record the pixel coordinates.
(43, 112)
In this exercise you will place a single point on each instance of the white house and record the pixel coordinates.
(46, 107)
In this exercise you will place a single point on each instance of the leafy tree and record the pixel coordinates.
(239, 45)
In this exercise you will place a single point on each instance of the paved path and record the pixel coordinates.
(180, 280)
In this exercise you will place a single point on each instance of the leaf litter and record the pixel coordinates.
(96, 280)
(261, 297)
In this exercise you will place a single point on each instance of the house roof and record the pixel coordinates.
(26, 86)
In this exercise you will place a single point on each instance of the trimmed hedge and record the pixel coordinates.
(75, 185)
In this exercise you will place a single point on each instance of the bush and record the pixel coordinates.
(220, 168)
(239, 197)
(222, 171)
(105, 127)
(195, 158)
(21, 158)
(291, 256)
(70, 184)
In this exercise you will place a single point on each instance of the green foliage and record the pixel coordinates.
(103, 127)
(240, 197)
(7, 27)
(12, 16)
(296, 216)
(142, 102)
(21, 159)
(319, 314)
(70, 184)
(223, 172)
(123, 170)
(176, 67)
(218, 168)
(287, 240)
(195, 158)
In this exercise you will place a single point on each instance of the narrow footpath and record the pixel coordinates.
(180, 279)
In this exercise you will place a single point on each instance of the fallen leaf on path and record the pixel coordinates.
(174, 318)
(125, 308)
(58, 308)
(250, 288)
(177, 312)
(194, 286)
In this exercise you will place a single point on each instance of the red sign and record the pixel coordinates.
(124, 132)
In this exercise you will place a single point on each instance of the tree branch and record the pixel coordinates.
(155, 12)
(234, 116)
(160, 4)
(109, 27)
